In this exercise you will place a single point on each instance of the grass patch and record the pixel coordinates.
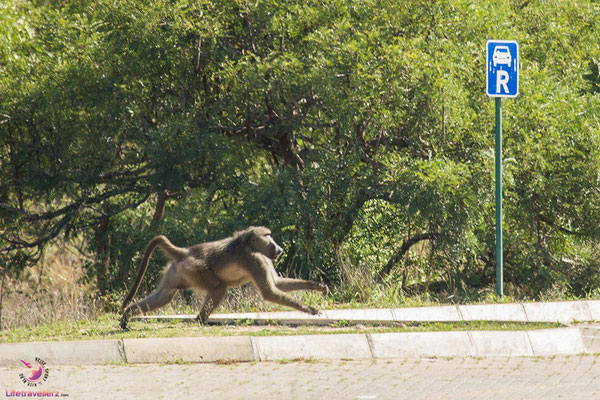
(107, 327)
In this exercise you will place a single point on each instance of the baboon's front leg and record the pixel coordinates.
(275, 295)
(264, 278)
(289, 284)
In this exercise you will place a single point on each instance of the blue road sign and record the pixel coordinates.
(502, 68)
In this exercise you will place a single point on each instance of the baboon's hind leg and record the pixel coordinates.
(212, 299)
(289, 284)
(156, 299)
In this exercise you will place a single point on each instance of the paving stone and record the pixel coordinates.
(515, 378)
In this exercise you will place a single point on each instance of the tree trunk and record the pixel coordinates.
(160, 205)
(103, 249)
(1, 296)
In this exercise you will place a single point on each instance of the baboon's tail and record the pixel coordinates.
(173, 252)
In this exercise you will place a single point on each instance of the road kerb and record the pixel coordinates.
(564, 312)
(497, 343)
(426, 314)
(493, 312)
(594, 307)
(318, 347)
(560, 341)
(189, 349)
(83, 352)
(417, 344)
(546, 342)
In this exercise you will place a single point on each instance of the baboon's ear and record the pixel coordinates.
(248, 235)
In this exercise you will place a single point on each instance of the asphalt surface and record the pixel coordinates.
(568, 377)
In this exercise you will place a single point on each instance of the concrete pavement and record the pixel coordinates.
(308, 347)
(515, 378)
(376, 346)
(563, 312)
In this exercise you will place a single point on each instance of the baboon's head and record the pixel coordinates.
(259, 239)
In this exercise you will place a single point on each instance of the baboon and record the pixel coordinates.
(212, 267)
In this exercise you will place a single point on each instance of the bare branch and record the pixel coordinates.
(403, 250)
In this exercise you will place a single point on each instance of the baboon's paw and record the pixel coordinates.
(313, 311)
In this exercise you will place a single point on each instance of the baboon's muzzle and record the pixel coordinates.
(278, 252)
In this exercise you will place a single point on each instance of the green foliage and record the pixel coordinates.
(357, 130)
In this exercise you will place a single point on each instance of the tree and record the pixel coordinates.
(357, 130)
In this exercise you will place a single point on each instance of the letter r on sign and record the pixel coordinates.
(502, 80)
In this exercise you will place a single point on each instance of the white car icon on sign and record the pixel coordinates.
(501, 55)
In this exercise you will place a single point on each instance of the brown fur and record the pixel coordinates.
(212, 267)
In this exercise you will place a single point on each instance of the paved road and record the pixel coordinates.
(575, 377)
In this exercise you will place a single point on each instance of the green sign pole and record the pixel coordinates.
(502, 80)
(499, 258)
